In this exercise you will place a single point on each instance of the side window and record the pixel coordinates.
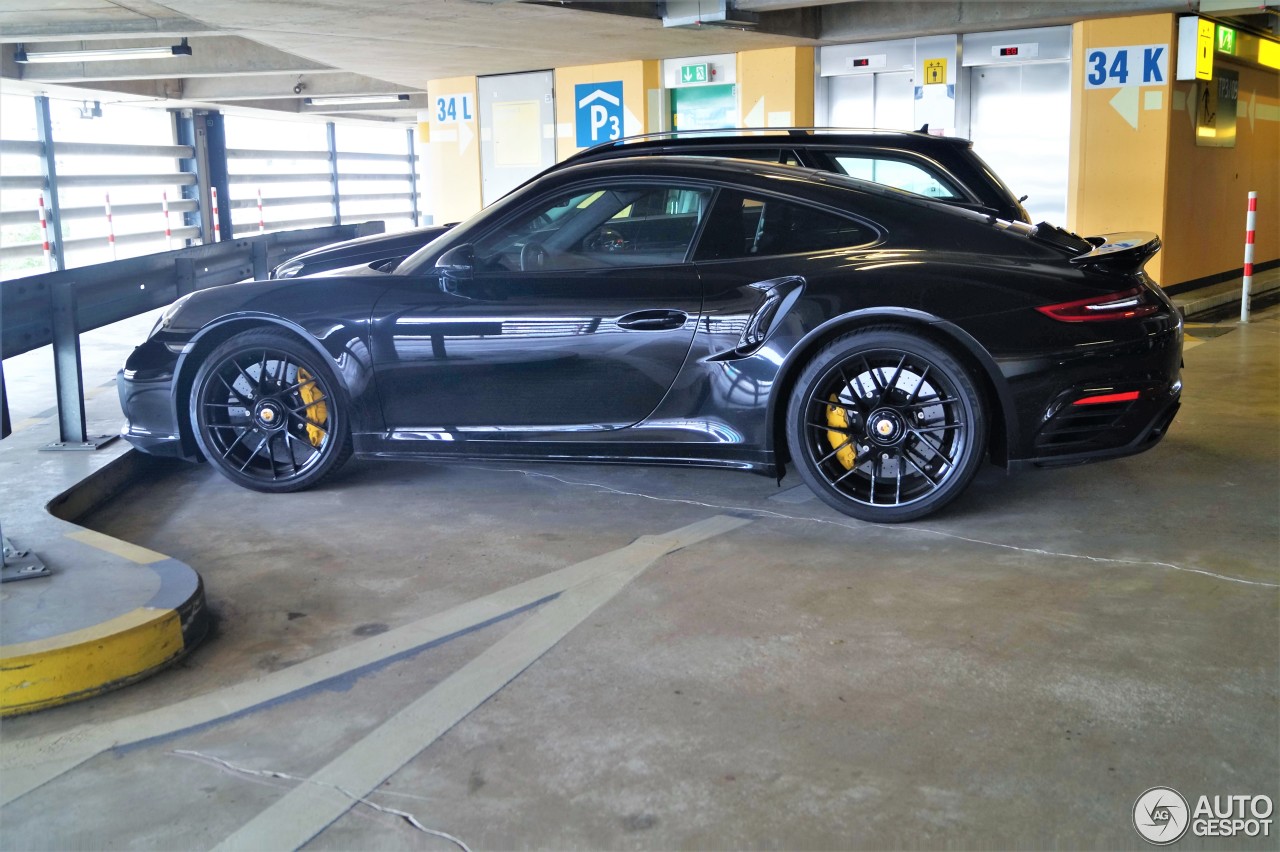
(900, 174)
(759, 226)
(594, 228)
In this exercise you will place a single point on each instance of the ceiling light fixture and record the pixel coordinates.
(337, 100)
(103, 55)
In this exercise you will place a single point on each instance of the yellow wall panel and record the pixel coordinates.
(453, 154)
(1209, 187)
(775, 87)
(638, 79)
(1118, 171)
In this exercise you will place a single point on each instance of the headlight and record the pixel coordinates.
(288, 269)
(168, 315)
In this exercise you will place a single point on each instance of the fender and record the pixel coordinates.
(834, 327)
(354, 374)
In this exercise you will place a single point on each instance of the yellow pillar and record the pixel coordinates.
(1120, 144)
(639, 79)
(775, 87)
(453, 152)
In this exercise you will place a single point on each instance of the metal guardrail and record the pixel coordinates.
(55, 307)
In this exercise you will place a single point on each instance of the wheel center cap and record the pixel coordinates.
(269, 415)
(886, 426)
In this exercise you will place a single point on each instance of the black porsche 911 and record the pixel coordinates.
(684, 310)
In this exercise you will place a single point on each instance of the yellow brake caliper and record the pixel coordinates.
(838, 418)
(317, 411)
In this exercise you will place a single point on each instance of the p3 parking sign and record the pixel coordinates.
(598, 112)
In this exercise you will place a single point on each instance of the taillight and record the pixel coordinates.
(1105, 398)
(1127, 304)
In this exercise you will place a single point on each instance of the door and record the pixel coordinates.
(1020, 123)
(704, 107)
(885, 100)
(517, 130)
(575, 314)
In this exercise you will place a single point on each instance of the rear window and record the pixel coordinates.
(899, 174)
(742, 226)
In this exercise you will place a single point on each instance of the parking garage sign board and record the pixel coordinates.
(598, 113)
(1116, 67)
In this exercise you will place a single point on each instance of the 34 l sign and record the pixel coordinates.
(1114, 67)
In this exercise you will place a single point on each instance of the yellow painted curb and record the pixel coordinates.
(71, 666)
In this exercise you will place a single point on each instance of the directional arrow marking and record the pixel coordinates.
(1126, 103)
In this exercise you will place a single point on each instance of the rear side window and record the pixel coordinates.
(899, 174)
(742, 226)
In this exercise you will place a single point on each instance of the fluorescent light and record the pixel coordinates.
(103, 55)
(356, 99)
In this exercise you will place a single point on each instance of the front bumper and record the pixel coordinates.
(145, 385)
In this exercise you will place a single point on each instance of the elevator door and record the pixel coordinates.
(1020, 123)
(517, 130)
(885, 100)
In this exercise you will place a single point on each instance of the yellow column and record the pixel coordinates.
(453, 152)
(775, 87)
(639, 78)
(1120, 139)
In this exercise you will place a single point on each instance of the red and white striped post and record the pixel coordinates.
(44, 236)
(168, 232)
(111, 229)
(1250, 225)
(262, 224)
(217, 229)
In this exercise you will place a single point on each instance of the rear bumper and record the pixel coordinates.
(1095, 433)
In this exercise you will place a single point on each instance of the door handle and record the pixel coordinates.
(655, 320)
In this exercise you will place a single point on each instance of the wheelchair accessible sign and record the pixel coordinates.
(598, 112)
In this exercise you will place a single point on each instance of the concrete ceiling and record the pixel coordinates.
(251, 54)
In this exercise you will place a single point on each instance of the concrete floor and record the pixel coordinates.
(1010, 674)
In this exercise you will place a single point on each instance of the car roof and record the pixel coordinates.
(817, 185)
(773, 138)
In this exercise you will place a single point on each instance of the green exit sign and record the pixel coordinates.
(1226, 40)
(695, 73)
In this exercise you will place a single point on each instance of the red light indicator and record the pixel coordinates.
(1008, 51)
(861, 63)
(1107, 397)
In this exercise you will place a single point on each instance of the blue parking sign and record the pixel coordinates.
(598, 112)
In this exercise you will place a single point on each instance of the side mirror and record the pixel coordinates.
(454, 267)
(458, 263)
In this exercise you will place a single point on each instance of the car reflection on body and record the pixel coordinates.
(685, 310)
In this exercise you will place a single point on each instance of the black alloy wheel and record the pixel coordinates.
(268, 412)
(886, 426)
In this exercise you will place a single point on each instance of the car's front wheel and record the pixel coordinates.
(268, 413)
(886, 426)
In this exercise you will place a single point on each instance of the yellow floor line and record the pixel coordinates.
(115, 546)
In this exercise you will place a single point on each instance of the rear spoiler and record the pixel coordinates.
(1123, 252)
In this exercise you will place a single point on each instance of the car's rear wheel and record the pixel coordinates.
(886, 426)
(268, 412)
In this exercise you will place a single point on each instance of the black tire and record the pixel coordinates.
(886, 426)
(268, 412)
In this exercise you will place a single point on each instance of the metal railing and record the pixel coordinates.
(247, 187)
(55, 308)
(32, 173)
